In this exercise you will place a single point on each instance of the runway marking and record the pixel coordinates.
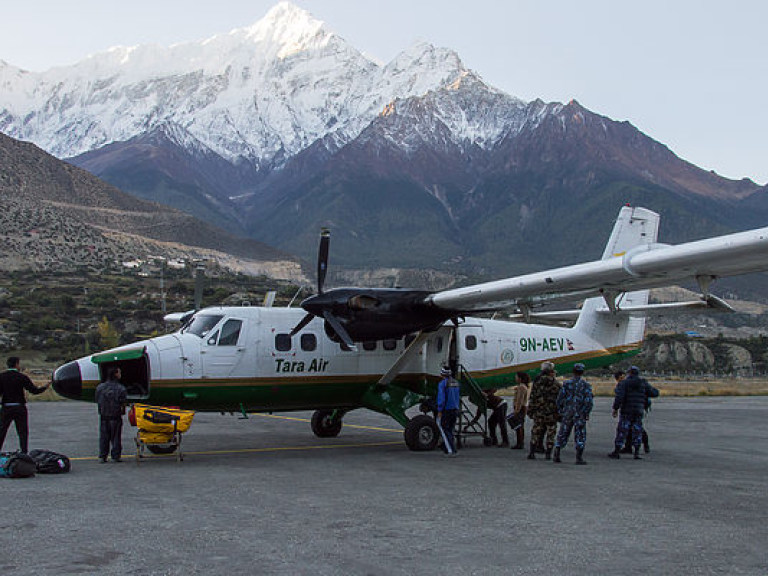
(309, 420)
(277, 449)
(128, 457)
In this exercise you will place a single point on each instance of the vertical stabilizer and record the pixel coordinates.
(635, 227)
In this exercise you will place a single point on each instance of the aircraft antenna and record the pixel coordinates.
(295, 296)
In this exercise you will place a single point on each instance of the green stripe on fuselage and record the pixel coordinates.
(345, 392)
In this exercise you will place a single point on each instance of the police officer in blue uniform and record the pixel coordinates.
(448, 404)
(574, 403)
(631, 398)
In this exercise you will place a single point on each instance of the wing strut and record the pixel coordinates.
(413, 349)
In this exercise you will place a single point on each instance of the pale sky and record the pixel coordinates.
(692, 74)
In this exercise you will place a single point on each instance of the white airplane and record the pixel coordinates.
(383, 349)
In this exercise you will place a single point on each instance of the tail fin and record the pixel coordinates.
(634, 227)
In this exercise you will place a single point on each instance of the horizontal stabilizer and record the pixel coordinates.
(709, 304)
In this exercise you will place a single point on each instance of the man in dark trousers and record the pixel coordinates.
(574, 403)
(14, 403)
(630, 400)
(448, 404)
(619, 375)
(111, 398)
(498, 417)
(542, 409)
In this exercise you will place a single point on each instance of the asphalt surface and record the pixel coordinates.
(264, 496)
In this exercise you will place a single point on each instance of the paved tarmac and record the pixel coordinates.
(264, 496)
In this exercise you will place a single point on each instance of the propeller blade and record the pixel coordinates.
(300, 326)
(339, 329)
(322, 258)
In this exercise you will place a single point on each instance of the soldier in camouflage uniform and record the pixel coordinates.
(574, 403)
(542, 409)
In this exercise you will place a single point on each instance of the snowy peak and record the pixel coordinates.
(262, 93)
(288, 28)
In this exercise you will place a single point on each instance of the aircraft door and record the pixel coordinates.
(438, 350)
(471, 347)
(501, 350)
(224, 351)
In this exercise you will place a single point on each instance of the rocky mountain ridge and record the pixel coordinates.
(282, 127)
(54, 216)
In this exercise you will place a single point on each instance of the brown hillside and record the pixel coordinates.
(54, 215)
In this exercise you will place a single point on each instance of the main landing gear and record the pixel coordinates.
(327, 423)
(421, 433)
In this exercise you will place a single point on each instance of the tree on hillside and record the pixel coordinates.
(108, 336)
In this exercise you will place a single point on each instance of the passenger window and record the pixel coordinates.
(230, 332)
(370, 346)
(470, 342)
(212, 339)
(389, 344)
(308, 342)
(282, 342)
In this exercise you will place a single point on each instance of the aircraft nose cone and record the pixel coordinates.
(67, 381)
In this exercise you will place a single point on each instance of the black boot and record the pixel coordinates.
(556, 457)
(616, 454)
(580, 456)
(637, 452)
(540, 448)
(548, 453)
(532, 453)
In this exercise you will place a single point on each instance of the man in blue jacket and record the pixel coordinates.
(448, 403)
(630, 401)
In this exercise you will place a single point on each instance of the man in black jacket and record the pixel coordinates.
(631, 399)
(14, 402)
(111, 398)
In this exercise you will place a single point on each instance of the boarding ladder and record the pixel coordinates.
(473, 420)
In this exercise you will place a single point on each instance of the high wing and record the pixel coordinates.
(632, 261)
(647, 265)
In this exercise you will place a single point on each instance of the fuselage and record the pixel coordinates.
(244, 359)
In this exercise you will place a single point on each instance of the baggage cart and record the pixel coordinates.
(160, 430)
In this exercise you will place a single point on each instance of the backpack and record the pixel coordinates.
(16, 465)
(48, 462)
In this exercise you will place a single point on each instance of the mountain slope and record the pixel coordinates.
(58, 216)
(281, 127)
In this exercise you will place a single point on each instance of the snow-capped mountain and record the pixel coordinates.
(282, 127)
(260, 93)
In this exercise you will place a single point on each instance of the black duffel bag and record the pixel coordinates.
(16, 465)
(48, 462)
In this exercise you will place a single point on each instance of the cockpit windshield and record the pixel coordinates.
(201, 325)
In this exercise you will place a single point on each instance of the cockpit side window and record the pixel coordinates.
(230, 332)
(201, 325)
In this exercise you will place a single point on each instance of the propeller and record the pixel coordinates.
(317, 306)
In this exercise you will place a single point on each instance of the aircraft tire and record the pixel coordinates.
(324, 426)
(421, 433)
